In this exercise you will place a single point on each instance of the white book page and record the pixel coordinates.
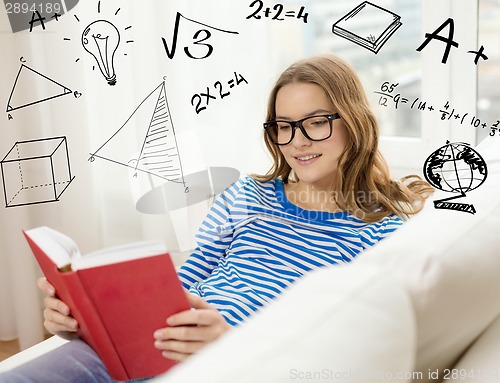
(120, 253)
(61, 249)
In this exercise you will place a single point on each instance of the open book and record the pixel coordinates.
(119, 296)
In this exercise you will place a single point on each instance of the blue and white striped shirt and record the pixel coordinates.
(254, 243)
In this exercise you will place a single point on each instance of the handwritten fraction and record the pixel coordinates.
(277, 12)
(156, 151)
(101, 39)
(200, 40)
(447, 112)
(200, 101)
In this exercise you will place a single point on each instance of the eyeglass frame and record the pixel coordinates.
(298, 124)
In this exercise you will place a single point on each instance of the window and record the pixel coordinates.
(488, 100)
(396, 62)
(409, 135)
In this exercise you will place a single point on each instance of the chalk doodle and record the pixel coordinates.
(199, 39)
(36, 171)
(278, 8)
(29, 14)
(101, 39)
(157, 149)
(156, 163)
(479, 54)
(28, 78)
(353, 26)
(36, 17)
(386, 96)
(198, 99)
(455, 168)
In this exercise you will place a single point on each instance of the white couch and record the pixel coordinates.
(422, 306)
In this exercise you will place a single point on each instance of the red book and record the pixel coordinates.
(119, 296)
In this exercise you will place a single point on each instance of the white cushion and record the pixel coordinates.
(336, 324)
(449, 262)
(481, 362)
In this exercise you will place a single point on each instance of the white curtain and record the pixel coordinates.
(98, 207)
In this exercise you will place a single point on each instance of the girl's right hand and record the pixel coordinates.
(57, 316)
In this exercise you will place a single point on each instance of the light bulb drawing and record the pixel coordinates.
(101, 40)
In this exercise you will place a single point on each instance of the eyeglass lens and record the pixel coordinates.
(317, 128)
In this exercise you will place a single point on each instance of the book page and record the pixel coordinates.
(121, 253)
(61, 249)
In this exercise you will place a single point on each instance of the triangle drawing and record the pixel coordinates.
(32, 87)
(153, 149)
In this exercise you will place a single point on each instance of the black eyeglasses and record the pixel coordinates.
(314, 128)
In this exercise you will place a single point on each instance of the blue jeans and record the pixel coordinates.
(73, 362)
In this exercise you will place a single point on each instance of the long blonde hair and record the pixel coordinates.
(362, 169)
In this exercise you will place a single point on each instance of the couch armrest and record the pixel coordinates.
(480, 362)
(31, 353)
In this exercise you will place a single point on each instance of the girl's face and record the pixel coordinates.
(314, 162)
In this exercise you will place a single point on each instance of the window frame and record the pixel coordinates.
(455, 81)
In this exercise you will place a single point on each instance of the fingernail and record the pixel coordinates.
(50, 291)
(167, 355)
(157, 335)
(158, 344)
(170, 320)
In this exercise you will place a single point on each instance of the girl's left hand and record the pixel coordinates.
(190, 330)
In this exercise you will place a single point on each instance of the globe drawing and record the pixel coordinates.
(455, 168)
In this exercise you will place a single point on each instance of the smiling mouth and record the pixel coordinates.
(307, 158)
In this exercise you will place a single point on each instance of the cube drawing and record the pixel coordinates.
(36, 171)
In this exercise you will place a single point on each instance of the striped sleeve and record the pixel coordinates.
(213, 238)
(375, 232)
